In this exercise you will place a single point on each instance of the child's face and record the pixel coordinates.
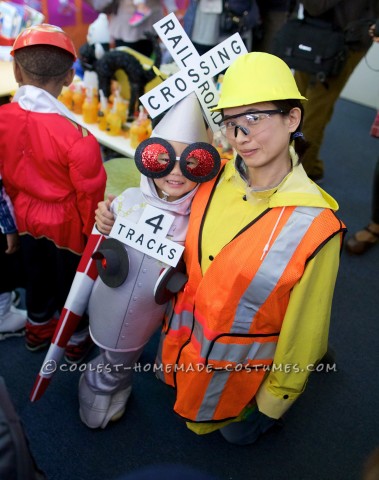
(174, 185)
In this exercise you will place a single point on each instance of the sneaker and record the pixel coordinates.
(77, 350)
(97, 410)
(363, 240)
(12, 323)
(138, 18)
(38, 335)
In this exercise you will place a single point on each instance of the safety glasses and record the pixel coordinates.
(249, 122)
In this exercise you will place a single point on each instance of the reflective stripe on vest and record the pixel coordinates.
(185, 319)
(272, 267)
(212, 395)
(240, 353)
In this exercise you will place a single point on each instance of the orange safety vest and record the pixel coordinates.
(224, 327)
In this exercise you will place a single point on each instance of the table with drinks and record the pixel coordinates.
(118, 143)
(106, 119)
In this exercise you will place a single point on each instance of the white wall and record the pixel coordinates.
(363, 85)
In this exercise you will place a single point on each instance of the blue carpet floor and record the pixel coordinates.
(327, 434)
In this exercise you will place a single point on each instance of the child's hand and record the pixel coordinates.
(13, 243)
(103, 216)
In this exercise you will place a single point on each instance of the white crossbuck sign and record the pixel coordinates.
(196, 72)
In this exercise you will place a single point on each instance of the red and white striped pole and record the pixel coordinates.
(71, 314)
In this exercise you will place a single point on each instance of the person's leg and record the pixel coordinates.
(105, 387)
(38, 260)
(273, 20)
(49, 275)
(39, 263)
(319, 110)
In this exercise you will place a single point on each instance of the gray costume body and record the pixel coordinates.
(123, 319)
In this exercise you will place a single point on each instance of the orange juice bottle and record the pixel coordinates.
(115, 89)
(121, 106)
(114, 122)
(140, 129)
(102, 112)
(66, 97)
(122, 109)
(77, 99)
(90, 106)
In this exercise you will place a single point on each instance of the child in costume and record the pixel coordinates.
(12, 320)
(52, 170)
(124, 316)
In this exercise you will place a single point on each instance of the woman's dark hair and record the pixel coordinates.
(301, 144)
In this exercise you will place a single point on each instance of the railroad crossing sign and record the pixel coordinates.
(196, 73)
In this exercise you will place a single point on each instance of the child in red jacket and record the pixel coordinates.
(52, 170)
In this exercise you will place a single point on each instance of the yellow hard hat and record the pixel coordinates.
(257, 77)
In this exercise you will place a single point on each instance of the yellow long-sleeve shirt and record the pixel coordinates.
(304, 335)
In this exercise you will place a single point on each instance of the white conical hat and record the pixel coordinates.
(184, 122)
